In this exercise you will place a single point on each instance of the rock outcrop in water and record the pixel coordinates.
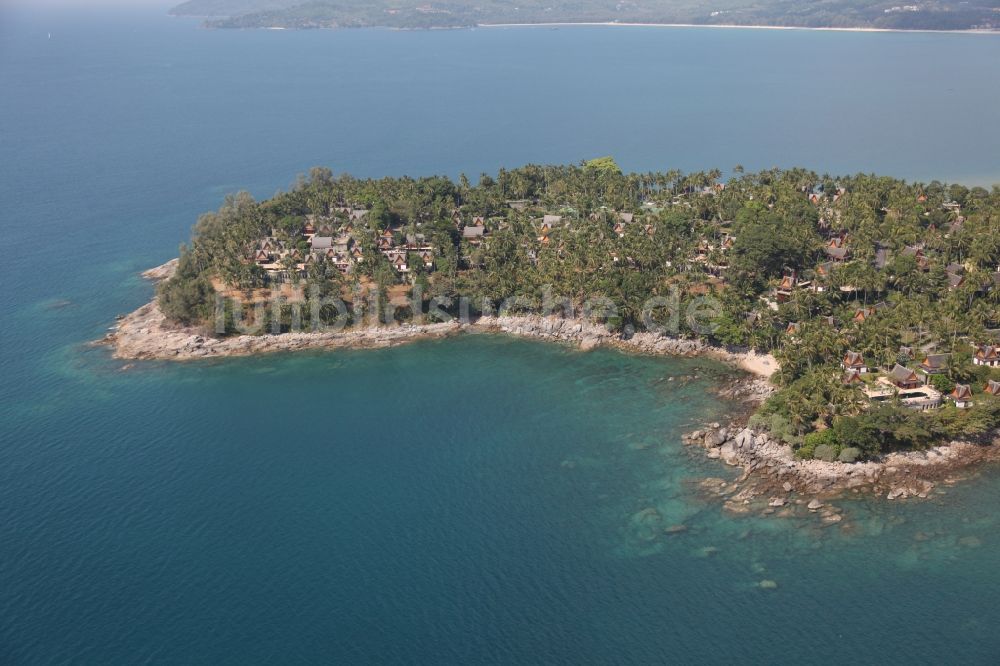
(774, 479)
(146, 334)
(162, 272)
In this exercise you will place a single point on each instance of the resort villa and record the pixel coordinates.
(988, 355)
(904, 378)
(934, 364)
(962, 396)
(854, 361)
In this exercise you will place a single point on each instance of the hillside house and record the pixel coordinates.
(387, 239)
(473, 234)
(784, 290)
(934, 364)
(988, 355)
(837, 254)
(854, 361)
(862, 314)
(904, 378)
(962, 396)
(917, 252)
(882, 257)
(321, 243)
(852, 378)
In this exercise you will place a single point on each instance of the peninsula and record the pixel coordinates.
(871, 304)
(840, 14)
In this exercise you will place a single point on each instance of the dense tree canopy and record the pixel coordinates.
(803, 265)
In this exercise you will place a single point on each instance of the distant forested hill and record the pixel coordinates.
(927, 15)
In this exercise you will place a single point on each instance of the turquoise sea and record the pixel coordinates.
(477, 500)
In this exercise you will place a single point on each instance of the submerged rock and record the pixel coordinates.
(970, 542)
(643, 524)
(736, 506)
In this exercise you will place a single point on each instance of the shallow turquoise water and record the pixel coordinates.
(470, 500)
(463, 500)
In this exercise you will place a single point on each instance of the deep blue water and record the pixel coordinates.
(472, 500)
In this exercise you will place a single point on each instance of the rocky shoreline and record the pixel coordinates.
(773, 480)
(146, 334)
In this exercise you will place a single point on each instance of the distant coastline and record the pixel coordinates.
(613, 24)
(617, 24)
(932, 15)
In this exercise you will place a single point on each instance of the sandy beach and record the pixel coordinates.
(616, 24)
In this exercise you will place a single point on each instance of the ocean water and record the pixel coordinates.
(477, 500)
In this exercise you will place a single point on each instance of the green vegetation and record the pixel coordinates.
(933, 15)
(606, 164)
(806, 266)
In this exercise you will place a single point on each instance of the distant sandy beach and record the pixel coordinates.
(734, 26)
